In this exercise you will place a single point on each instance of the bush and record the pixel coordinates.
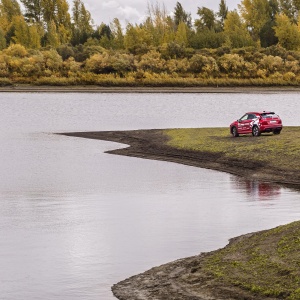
(16, 50)
(203, 64)
(152, 62)
(232, 64)
(52, 60)
(289, 76)
(5, 82)
(271, 63)
(99, 64)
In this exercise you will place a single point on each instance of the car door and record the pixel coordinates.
(243, 124)
(249, 122)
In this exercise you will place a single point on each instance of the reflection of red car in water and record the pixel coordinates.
(267, 190)
(256, 123)
(260, 190)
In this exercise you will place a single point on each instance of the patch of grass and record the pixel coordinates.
(266, 263)
(278, 151)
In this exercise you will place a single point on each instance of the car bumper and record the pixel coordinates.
(270, 128)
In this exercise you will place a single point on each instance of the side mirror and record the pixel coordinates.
(238, 120)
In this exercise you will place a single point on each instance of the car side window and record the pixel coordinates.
(251, 117)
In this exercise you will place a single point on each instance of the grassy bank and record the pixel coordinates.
(266, 263)
(159, 80)
(279, 154)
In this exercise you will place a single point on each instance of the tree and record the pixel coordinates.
(287, 32)
(236, 32)
(207, 19)
(21, 35)
(117, 34)
(180, 15)
(10, 9)
(256, 14)
(34, 36)
(223, 11)
(82, 23)
(274, 8)
(156, 24)
(296, 4)
(267, 35)
(137, 40)
(2, 40)
(56, 12)
(181, 34)
(287, 8)
(33, 10)
(52, 37)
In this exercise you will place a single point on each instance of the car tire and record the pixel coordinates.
(276, 131)
(255, 131)
(234, 132)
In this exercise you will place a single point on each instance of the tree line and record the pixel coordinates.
(45, 42)
(50, 23)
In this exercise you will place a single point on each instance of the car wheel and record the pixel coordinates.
(276, 131)
(255, 131)
(234, 132)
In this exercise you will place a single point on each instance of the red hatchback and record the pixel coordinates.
(256, 123)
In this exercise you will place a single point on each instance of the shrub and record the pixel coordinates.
(178, 65)
(232, 64)
(200, 63)
(99, 64)
(289, 76)
(5, 82)
(16, 50)
(152, 62)
(52, 60)
(271, 63)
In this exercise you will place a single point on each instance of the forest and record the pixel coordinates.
(44, 42)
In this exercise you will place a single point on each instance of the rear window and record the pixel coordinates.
(269, 116)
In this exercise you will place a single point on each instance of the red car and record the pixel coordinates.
(256, 123)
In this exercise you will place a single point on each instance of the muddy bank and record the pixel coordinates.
(255, 266)
(151, 144)
(183, 279)
(23, 88)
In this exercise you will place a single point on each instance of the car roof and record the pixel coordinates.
(260, 113)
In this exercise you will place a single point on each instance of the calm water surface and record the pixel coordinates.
(74, 220)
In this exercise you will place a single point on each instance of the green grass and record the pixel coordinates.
(279, 151)
(267, 263)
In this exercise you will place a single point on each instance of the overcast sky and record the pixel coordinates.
(134, 11)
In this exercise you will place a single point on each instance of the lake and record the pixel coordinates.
(74, 220)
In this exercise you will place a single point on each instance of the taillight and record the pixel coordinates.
(279, 121)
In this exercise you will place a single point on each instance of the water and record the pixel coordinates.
(74, 221)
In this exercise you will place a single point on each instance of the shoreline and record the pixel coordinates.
(186, 278)
(23, 88)
(150, 144)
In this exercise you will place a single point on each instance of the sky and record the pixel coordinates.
(134, 11)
